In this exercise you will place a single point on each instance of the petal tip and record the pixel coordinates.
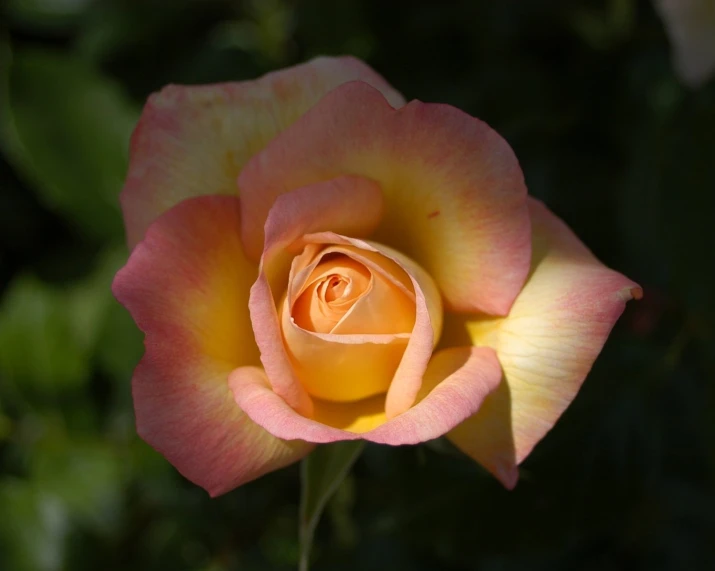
(632, 293)
(508, 476)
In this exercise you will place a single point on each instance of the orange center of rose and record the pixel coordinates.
(330, 293)
(346, 319)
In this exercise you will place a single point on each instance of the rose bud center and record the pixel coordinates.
(346, 319)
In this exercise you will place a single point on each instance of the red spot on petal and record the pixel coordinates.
(433, 214)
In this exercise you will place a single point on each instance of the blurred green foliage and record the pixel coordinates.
(585, 93)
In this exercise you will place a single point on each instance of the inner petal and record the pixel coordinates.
(334, 287)
(329, 293)
(387, 307)
(344, 291)
(346, 319)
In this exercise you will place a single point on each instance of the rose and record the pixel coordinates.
(313, 260)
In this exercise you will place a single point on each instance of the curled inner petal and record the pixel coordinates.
(382, 344)
(346, 319)
(330, 292)
(351, 204)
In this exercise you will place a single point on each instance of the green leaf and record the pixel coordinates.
(67, 130)
(46, 15)
(321, 475)
(33, 528)
(85, 474)
(48, 334)
(38, 347)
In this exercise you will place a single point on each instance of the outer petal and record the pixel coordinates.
(186, 285)
(346, 204)
(193, 141)
(546, 345)
(461, 379)
(454, 193)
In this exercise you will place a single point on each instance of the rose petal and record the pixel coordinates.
(350, 365)
(343, 367)
(361, 416)
(387, 305)
(406, 384)
(461, 379)
(454, 192)
(428, 319)
(186, 286)
(349, 204)
(546, 345)
(193, 141)
(329, 294)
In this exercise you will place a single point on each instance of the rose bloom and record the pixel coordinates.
(315, 260)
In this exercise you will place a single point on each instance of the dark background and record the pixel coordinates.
(606, 134)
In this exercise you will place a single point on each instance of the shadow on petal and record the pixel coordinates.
(357, 417)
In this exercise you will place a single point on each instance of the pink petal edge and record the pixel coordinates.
(194, 140)
(454, 193)
(186, 285)
(546, 346)
(452, 400)
(346, 203)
